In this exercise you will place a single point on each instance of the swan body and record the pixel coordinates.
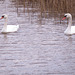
(8, 28)
(70, 29)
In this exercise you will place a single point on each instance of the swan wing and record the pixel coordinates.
(73, 29)
(12, 28)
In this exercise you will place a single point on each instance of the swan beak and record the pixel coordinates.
(64, 18)
(1, 18)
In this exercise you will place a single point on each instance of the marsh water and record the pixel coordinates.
(39, 47)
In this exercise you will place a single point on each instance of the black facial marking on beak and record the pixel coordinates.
(65, 15)
(2, 16)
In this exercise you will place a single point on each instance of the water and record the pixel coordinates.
(39, 47)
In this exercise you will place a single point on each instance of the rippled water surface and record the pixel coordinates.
(39, 47)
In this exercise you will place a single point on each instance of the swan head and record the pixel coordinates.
(67, 16)
(4, 16)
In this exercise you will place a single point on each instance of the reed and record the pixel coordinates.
(54, 6)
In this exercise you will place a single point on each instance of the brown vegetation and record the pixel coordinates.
(57, 6)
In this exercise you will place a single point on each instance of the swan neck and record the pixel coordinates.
(70, 21)
(5, 24)
(68, 30)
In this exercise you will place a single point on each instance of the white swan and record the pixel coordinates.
(8, 28)
(70, 29)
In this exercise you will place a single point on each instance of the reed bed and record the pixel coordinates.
(46, 7)
(59, 6)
